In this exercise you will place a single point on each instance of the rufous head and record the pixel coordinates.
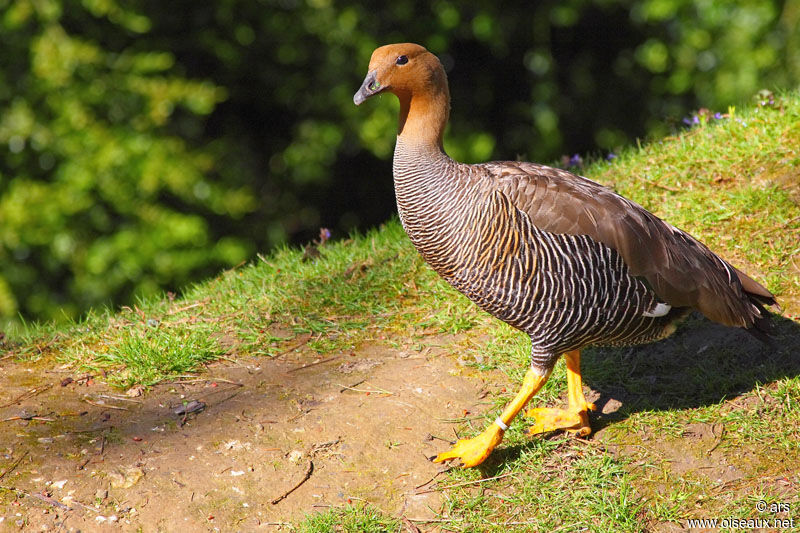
(405, 69)
(418, 79)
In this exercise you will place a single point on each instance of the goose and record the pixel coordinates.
(564, 259)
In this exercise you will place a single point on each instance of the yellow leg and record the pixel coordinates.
(575, 418)
(473, 452)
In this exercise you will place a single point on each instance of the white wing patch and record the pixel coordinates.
(659, 310)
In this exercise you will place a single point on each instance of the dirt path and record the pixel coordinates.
(213, 453)
(77, 455)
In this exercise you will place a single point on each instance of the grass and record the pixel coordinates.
(351, 519)
(734, 183)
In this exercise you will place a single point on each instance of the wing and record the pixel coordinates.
(681, 270)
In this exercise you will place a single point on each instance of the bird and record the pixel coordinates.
(566, 260)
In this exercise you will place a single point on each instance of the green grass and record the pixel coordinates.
(358, 518)
(733, 183)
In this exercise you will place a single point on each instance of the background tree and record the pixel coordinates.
(146, 146)
(101, 192)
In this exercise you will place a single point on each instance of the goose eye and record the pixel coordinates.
(401, 60)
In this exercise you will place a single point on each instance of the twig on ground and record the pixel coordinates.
(28, 417)
(29, 394)
(89, 430)
(323, 445)
(431, 479)
(431, 437)
(475, 482)
(229, 359)
(329, 359)
(56, 337)
(409, 526)
(87, 507)
(105, 405)
(593, 442)
(718, 439)
(14, 465)
(118, 397)
(39, 496)
(48, 499)
(377, 391)
(728, 485)
(344, 388)
(187, 307)
(307, 337)
(306, 477)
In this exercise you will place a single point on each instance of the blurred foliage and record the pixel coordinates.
(98, 197)
(144, 143)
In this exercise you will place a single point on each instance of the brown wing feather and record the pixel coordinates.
(680, 269)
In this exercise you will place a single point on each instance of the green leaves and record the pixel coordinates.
(99, 199)
(721, 51)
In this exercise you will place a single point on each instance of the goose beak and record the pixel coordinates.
(370, 87)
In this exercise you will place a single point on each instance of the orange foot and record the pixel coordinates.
(548, 419)
(473, 452)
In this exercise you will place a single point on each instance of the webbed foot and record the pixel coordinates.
(549, 419)
(473, 452)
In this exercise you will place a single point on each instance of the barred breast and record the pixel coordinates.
(564, 291)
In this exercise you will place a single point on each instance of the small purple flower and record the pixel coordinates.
(691, 121)
(324, 235)
(610, 156)
(575, 161)
(718, 115)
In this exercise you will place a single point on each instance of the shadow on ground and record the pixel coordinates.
(703, 363)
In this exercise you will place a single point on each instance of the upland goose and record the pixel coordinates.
(560, 257)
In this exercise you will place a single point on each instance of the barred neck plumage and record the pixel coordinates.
(422, 173)
(433, 192)
(428, 184)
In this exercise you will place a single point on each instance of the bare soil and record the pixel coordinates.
(76, 454)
